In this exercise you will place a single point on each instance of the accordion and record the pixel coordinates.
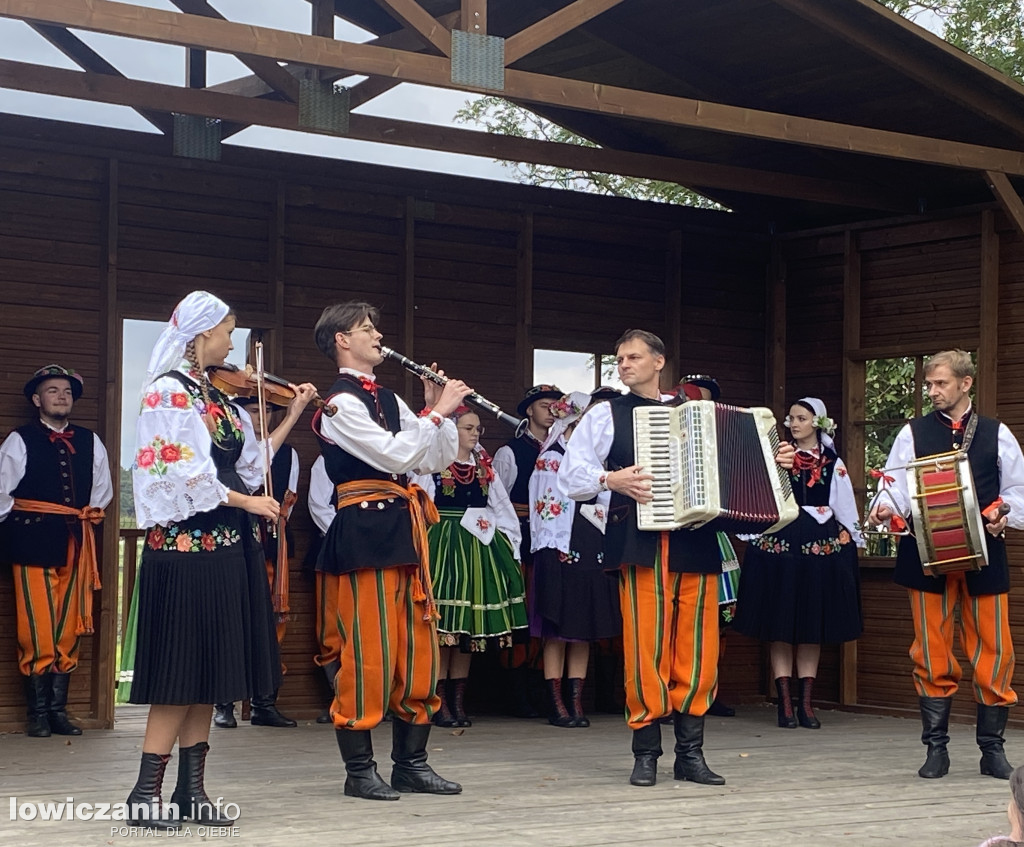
(712, 464)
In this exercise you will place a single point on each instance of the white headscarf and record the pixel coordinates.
(822, 421)
(197, 313)
(567, 411)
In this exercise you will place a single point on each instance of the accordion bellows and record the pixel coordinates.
(713, 464)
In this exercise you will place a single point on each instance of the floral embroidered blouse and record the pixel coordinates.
(841, 502)
(174, 475)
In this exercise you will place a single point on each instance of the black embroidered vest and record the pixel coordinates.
(55, 475)
(931, 436)
(690, 550)
(467, 495)
(366, 535)
(526, 450)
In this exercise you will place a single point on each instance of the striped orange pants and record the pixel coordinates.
(47, 608)
(389, 656)
(670, 641)
(327, 636)
(984, 634)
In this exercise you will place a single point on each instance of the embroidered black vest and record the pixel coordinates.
(526, 450)
(467, 495)
(55, 475)
(931, 436)
(690, 550)
(366, 535)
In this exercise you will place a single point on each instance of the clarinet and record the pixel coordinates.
(518, 424)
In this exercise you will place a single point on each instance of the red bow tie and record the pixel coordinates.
(368, 385)
(65, 436)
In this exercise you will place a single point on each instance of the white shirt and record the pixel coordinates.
(1011, 475)
(551, 509)
(320, 496)
(14, 459)
(504, 463)
(425, 445)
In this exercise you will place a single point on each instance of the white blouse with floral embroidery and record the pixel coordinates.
(551, 511)
(174, 476)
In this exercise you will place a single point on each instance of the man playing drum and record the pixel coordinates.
(997, 468)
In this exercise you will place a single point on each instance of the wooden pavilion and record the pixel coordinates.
(874, 173)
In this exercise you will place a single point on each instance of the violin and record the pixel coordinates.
(243, 383)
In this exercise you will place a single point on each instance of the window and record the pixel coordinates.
(574, 371)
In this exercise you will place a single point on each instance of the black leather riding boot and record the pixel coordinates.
(363, 781)
(59, 723)
(690, 762)
(411, 772)
(37, 699)
(224, 715)
(646, 750)
(991, 725)
(935, 734)
(265, 712)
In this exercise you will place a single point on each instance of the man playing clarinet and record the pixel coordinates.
(667, 582)
(997, 468)
(375, 555)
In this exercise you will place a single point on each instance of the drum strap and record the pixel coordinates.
(969, 430)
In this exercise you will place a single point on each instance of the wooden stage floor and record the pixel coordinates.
(853, 782)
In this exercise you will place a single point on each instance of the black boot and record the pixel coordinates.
(991, 725)
(804, 710)
(576, 702)
(411, 772)
(557, 713)
(718, 709)
(265, 713)
(190, 792)
(458, 702)
(787, 720)
(646, 750)
(356, 747)
(59, 723)
(37, 696)
(224, 715)
(444, 717)
(331, 671)
(935, 734)
(690, 762)
(145, 808)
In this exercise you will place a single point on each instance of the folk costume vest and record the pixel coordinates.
(526, 450)
(690, 550)
(56, 471)
(366, 535)
(933, 435)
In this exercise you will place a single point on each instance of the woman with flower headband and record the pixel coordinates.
(204, 608)
(573, 600)
(474, 553)
(800, 586)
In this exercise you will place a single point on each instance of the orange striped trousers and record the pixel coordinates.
(327, 636)
(47, 609)
(670, 640)
(388, 652)
(984, 634)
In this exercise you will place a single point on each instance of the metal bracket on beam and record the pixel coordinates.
(324, 107)
(196, 137)
(478, 60)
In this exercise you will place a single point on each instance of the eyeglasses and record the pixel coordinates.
(473, 428)
(370, 328)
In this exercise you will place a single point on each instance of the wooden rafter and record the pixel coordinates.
(275, 113)
(554, 26)
(191, 31)
(474, 16)
(868, 36)
(416, 18)
(1008, 198)
(88, 59)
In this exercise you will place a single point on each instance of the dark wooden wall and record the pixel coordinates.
(471, 274)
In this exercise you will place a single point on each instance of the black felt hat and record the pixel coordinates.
(54, 372)
(538, 392)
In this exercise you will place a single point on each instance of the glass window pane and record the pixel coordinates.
(570, 371)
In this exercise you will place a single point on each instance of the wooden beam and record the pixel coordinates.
(164, 27)
(554, 26)
(406, 330)
(673, 311)
(1008, 198)
(474, 16)
(322, 18)
(524, 304)
(986, 392)
(415, 17)
(195, 68)
(88, 59)
(243, 110)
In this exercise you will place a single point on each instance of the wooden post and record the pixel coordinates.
(524, 304)
(195, 68)
(853, 436)
(407, 291)
(474, 16)
(673, 311)
(775, 338)
(276, 271)
(109, 427)
(988, 368)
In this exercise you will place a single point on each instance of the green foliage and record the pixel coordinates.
(126, 503)
(500, 117)
(990, 30)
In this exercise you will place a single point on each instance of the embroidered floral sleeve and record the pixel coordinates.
(844, 504)
(551, 510)
(173, 475)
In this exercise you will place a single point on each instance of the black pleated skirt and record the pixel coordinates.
(205, 621)
(571, 602)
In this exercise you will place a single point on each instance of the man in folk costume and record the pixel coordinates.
(513, 464)
(668, 592)
(375, 555)
(54, 484)
(997, 468)
(277, 544)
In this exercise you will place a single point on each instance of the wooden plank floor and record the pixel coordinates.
(527, 783)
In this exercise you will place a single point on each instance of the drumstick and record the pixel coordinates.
(996, 510)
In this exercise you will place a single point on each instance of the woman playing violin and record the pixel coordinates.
(203, 598)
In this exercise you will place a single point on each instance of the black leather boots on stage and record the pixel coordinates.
(689, 750)
(46, 697)
(935, 735)
(991, 725)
